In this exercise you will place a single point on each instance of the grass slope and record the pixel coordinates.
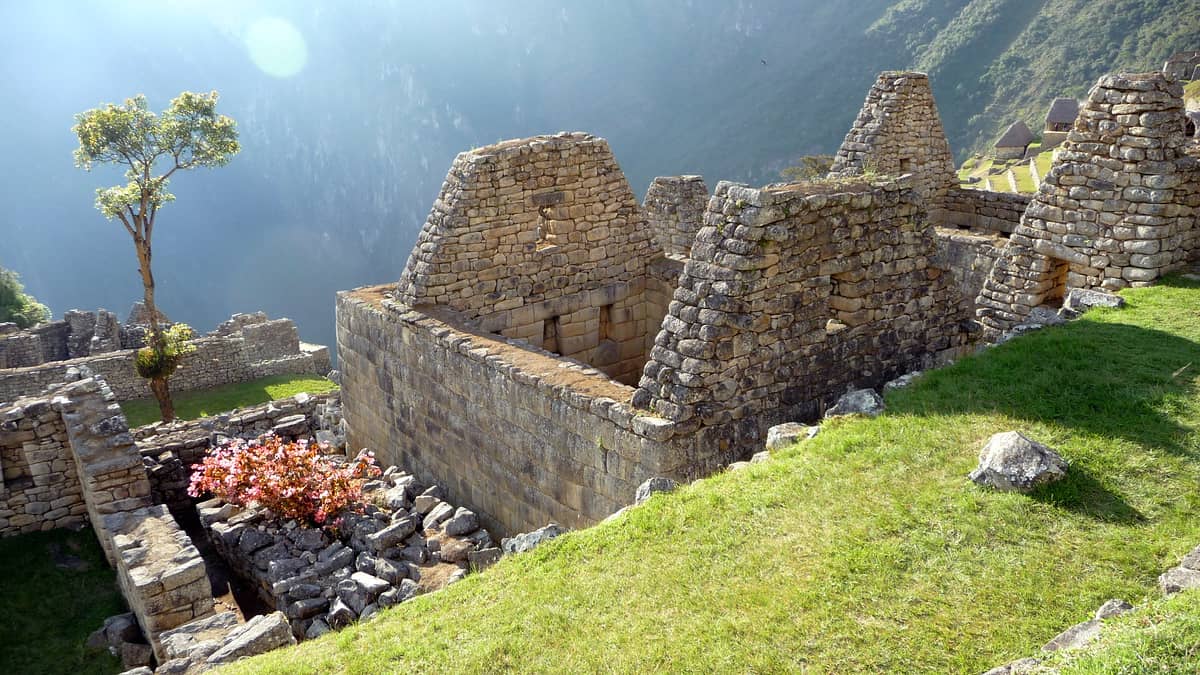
(1161, 637)
(190, 405)
(49, 612)
(864, 549)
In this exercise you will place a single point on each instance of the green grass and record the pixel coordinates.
(190, 405)
(49, 612)
(865, 549)
(1025, 184)
(1191, 91)
(1161, 637)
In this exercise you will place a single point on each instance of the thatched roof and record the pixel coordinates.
(1062, 111)
(1018, 135)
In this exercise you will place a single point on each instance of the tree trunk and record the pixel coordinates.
(158, 385)
(162, 392)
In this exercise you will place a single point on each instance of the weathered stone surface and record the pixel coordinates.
(788, 433)
(1081, 299)
(258, 635)
(531, 540)
(1111, 608)
(462, 522)
(653, 485)
(857, 402)
(1024, 666)
(1075, 637)
(1011, 461)
(1178, 579)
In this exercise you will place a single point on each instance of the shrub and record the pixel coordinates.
(292, 479)
(151, 363)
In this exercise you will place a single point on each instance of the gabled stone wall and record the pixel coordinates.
(1117, 208)
(792, 294)
(898, 131)
(40, 489)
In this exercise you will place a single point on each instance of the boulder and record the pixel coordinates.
(857, 402)
(1178, 579)
(391, 535)
(136, 655)
(531, 540)
(462, 522)
(651, 486)
(1114, 607)
(1083, 299)
(1011, 462)
(256, 636)
(292, 425)
(438, 515)
(406, 590)
(783, 435)
(484, 558)
(1074, 637)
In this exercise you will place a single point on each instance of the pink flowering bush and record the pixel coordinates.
(295, 480)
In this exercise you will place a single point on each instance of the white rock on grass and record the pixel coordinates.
(857, 402)
(1012, 462)
(788, 433)
(652, 485)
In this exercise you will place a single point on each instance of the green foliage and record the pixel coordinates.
(161, 361)
(51, 608)
(190, 405)
(811, 167)
(865, 549)
(187, 135)
(18, 306)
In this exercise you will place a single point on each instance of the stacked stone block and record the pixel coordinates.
(258, 350)
(162, 575)
(518, 434)
(792, 295)
(1183, 66)
(540, 239)
(40, 489)
(1118, 207)
(674, 208)
(898, 131)
(983, 210)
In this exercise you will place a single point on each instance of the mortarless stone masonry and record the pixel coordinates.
(674, 207)
(1118, 207)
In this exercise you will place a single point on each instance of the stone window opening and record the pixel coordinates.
(547, 230)
(1057, 280)
(14, 466)
(905, 166)
(1189, 127)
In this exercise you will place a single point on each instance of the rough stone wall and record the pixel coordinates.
(674, 208)
(40, 489)
(898, 131)
(540, 239)
(662, 276)
(968, 256)
(983, 210)
(793, 294)
(271, 348)
(162, 575)
(517, 434)
(1183, 66)
(1117, 208)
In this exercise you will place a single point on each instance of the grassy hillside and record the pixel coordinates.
(865, 549)
(994, 61)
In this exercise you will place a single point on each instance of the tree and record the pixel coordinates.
(811, 167)
(18, 306)
(187, 135)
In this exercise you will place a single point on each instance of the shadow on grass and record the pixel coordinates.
(1106, 379)
(1081, 493)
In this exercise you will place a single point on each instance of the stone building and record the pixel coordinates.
(1059, 118)
(1117, 208)
(1013, 143)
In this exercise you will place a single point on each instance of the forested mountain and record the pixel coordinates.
(350, 121)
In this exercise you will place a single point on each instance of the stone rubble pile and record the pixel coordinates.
(407, 540)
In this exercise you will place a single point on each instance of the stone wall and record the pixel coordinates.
(41, 489)
(1183, 66)
(540, 239)
(968, 256)
(516, 433)
(983, 210)
(44, 342)
(270, 348)
(898, 131)
(1117, 208)
(674, 208)
(793, 294)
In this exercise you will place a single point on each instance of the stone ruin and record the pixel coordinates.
(246, 347)
(551, 344)
(1118, 207)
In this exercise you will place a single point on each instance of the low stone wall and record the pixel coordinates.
(983, 210)
(968, 257)
(162, 575)
(515, 433)
(169, 450)
(271, 348)
(45, 342)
